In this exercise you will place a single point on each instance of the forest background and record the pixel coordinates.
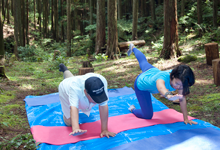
(37, 35)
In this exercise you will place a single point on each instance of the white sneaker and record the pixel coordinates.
(131, 108)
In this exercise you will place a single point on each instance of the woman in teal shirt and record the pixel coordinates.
(152, 80)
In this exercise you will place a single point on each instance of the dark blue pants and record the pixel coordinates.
(144, 97)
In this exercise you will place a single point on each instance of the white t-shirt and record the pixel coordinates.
(71, 93)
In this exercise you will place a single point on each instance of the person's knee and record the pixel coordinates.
(148, 116)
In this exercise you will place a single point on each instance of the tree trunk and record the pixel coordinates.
(27, 22)
(135, 19)
(2, 50)
(56, 20)
(112, 42)
(83, 71)
(90, 16)
(62, 26)
(216, 71)
(23, 21)
(152, 4)
(3, 10)
(18, 25)
(199, 11)
(119, 9)
(212, 52)
(52, 19)
(215, 13)
(39, 17)
(182, 8)
(34, 14)
(12, 7)
(170, 45)
(100, 26)
(8, 17)
(69, 53)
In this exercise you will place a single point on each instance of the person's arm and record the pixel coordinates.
(103, 110)
(163, 90)
(183, 107)
(74, 115)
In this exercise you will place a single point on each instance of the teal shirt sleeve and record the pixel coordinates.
(147, 80)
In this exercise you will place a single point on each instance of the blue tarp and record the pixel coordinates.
(51, 115)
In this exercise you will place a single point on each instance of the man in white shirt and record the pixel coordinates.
(82, 93)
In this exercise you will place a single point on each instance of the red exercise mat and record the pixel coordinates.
(59, 135)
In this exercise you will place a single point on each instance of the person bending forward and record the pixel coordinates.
(82, 93)
(152, 80)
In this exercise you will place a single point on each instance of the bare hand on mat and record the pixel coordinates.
(190, 122)
(78, 132)
(107, 133)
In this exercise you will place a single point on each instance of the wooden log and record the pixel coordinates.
(216, 71)
(83, 71)
(212, 52)
(123, 45)
(86, 64)
(56, 53)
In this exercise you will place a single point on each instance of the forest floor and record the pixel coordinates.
(39, 78)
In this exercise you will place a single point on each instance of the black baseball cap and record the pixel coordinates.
(95, 88)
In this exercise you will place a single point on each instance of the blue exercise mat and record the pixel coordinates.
(193, 139)
(51, 115)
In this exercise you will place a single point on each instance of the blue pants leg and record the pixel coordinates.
(144, 97)
(143, 63)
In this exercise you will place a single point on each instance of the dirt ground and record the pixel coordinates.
(201, 70)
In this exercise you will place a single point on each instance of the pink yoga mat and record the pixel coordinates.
(59, 135)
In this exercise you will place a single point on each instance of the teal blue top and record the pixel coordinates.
(147, 80)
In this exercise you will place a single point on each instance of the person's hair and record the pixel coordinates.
(186, 75)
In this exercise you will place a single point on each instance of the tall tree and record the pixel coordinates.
(2, 50)
(215, 12)
(27, 22)
(56, 20)
(120, 9)
(100, 25)
(112, 41)
(199, 11)
(90, 15)
(3, 9)
(34, 14)
(8, 16)
(182, 8)
(69, 53)
(23, 21)
(18, 25)
(12, 7)
(39, 5)
(152, 8)
(135, 19)
(170, 45)
(62, 26)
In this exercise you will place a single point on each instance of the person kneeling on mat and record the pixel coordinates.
(152, 80)
(82, 93)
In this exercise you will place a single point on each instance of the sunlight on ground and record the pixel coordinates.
(23, 77)
(122, 68)
(26, 87)
(202, 81)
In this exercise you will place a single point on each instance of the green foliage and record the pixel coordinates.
(91, 27)
(21, 141)
(187, 58)
(101, 57)
(81, 44)
(27, 53)
(158, 45)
